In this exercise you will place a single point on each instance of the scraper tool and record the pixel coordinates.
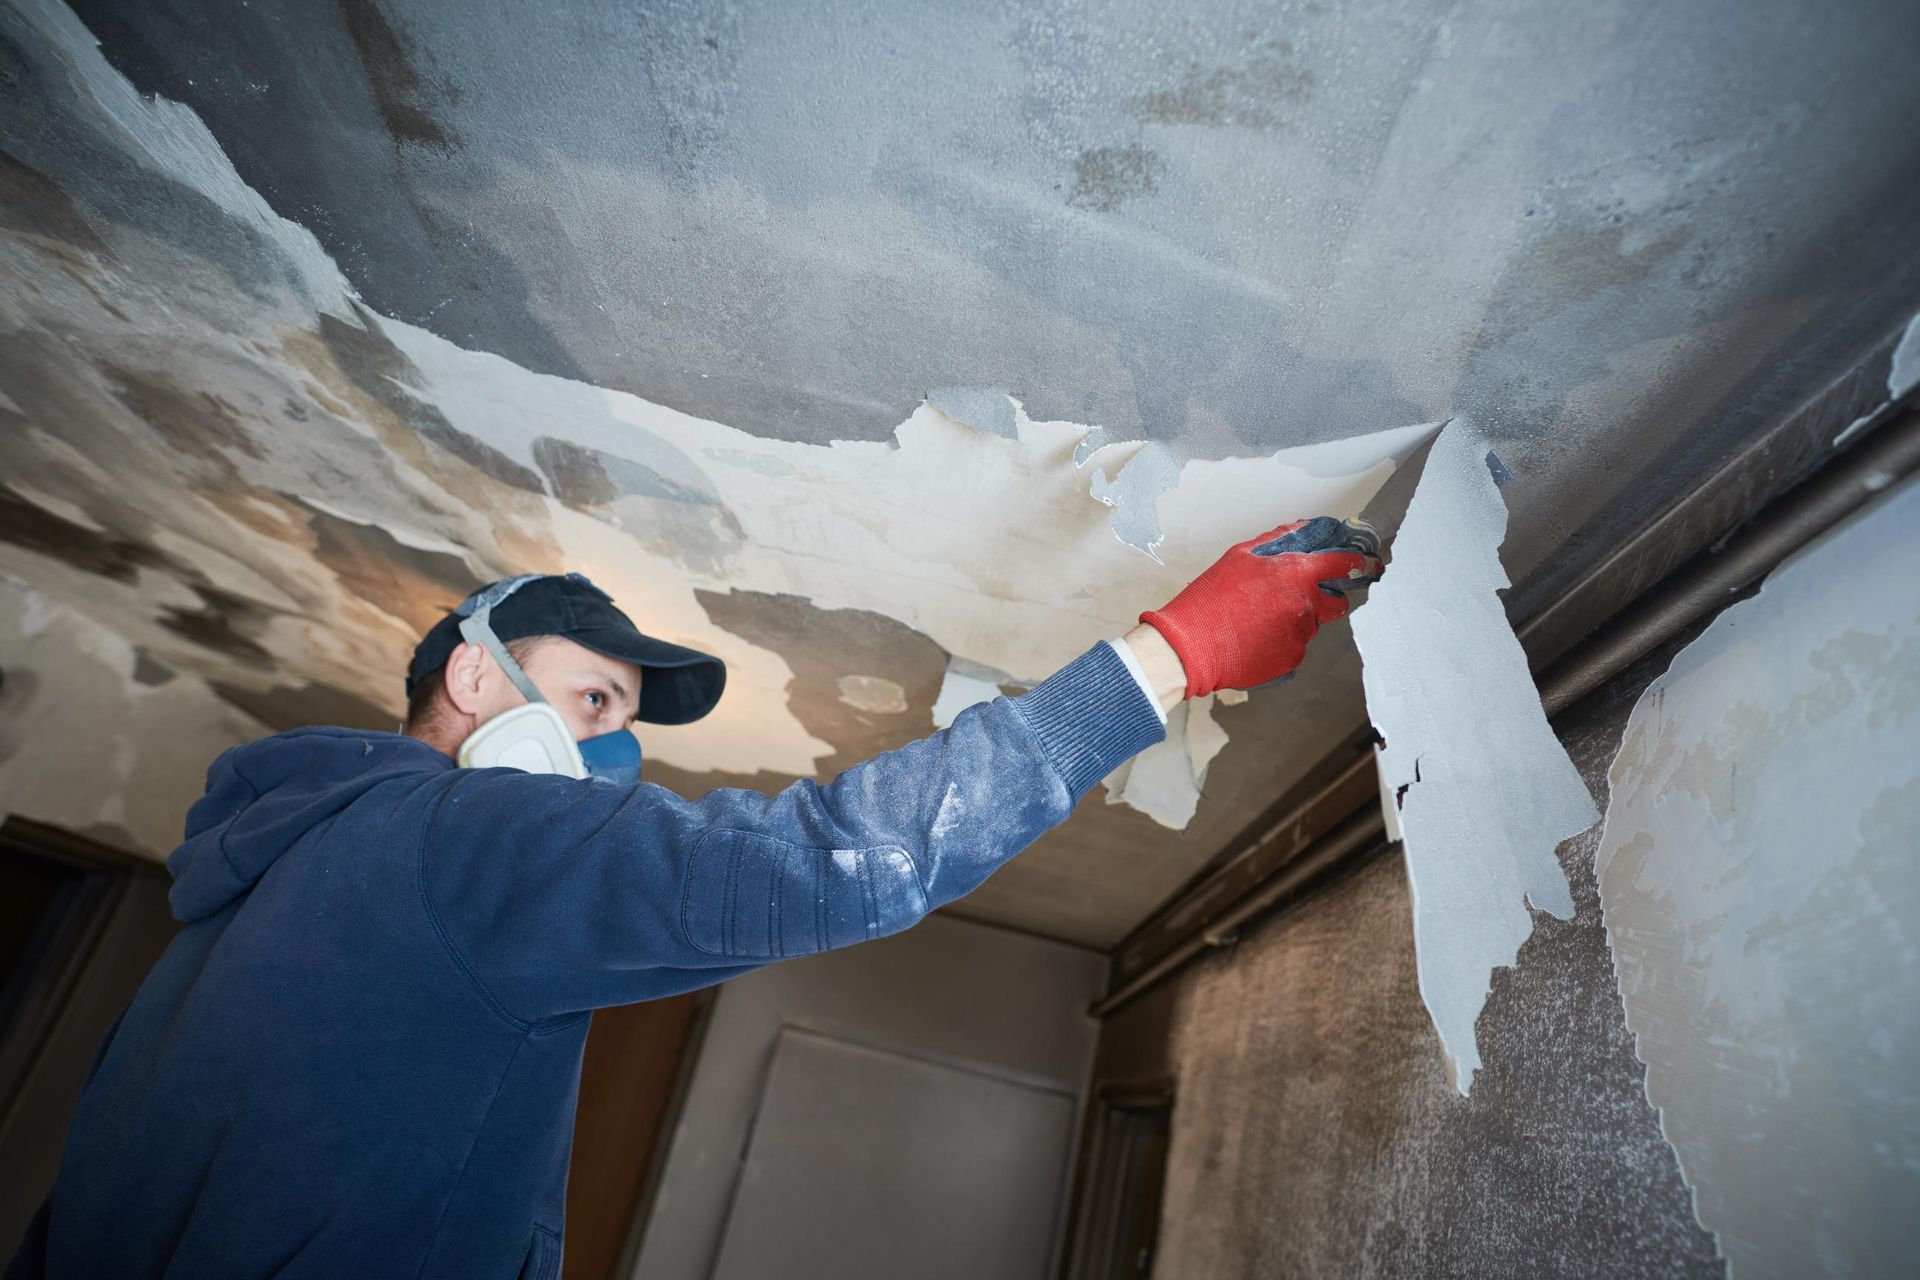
(1388, 506)
(1324, 533)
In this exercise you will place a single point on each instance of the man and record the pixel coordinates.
(359, 1056)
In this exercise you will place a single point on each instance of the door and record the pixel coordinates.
(868, 1163)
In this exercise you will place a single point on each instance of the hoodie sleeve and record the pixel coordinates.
(557, 895)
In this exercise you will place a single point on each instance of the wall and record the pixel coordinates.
(630, 1079)
(947, 990)
(1762, 896)
(1316, 1133)
(1766, 957)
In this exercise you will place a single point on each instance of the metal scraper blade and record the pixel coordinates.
(1388, 506)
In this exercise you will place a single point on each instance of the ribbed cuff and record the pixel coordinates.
(1091, 717)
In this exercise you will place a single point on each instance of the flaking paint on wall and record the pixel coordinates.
(1485, 792)
(1758, 877)
(1315, 1134)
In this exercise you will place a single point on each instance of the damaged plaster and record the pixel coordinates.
(991, 546)
(1758, 877)
(772, 217)
(63, 678)
(257, 481)
(1484, 790)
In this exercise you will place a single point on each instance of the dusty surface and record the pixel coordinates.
(1316, 1133)
(1763, 903)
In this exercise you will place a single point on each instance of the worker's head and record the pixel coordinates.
(558, 640)
(593, 693)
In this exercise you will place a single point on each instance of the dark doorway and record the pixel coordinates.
(631, 1083)
(1117, 1219)
(80, 924)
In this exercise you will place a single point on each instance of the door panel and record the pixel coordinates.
(629, 1082)
(869, 1163)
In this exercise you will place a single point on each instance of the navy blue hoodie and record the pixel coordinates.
(360, 1056)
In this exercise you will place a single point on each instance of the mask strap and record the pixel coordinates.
(476, 627)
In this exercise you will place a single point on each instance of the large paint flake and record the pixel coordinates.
(1485, 791)
(1762, 896)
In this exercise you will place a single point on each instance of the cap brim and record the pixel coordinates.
(678, 685)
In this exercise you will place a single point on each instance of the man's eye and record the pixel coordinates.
(598, 700)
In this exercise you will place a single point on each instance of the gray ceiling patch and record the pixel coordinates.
(1134, 494)
(988, 409)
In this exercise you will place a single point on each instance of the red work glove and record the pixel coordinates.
(1247, 620)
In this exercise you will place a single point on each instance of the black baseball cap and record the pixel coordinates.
(678, 684)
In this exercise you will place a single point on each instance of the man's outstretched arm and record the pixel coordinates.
(559, 895)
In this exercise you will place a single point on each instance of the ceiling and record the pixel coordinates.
(318, 315)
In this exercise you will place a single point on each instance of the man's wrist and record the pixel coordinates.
(1159, 664)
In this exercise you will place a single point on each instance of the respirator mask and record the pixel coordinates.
(535, 738)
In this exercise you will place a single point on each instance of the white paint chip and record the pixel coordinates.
(874, 694)
(1762, 896)
(1486, 792)
(1903, 375)
(965, 685)
(1161, 782)
(1205, 737)
(1166, 781)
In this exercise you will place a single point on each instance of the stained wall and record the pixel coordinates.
(1760, 891)
(1316, 1132)
(1762, 896)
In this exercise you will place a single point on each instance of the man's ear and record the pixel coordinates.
(465, 667)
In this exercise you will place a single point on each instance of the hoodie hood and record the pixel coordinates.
(263, 797)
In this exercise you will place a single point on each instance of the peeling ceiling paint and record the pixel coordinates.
(990, 545)
(1483, 791)
(1758, 877)
(286, 537)
(1167, 780)
(62, 678)
(259, 328)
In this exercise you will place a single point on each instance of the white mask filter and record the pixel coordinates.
(532, 738)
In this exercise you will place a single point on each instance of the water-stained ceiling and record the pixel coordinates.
(317, 315)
